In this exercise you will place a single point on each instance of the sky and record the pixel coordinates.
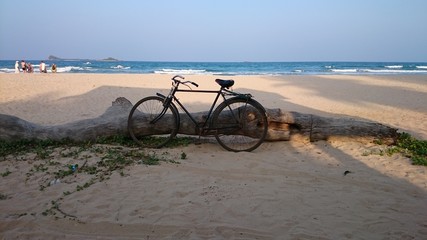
(215, 30)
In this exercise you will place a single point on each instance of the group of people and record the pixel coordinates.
(27, 67)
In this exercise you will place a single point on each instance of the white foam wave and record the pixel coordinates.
(393, 71)
(379, 71)
(87, 63)
(421, 67)
(119, 67)
(344, 70)
(181, 71)
(69, 69)
(7, 70)
(394, 66)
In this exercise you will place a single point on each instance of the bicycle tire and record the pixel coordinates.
(240, 124)
(147, 133)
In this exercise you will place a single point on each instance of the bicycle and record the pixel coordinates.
(239, 123)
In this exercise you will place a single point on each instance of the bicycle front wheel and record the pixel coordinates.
(151, 124)
(240, 124)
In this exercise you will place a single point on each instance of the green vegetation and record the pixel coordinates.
(412, 148)
(6, 173)
(82, 163)
(40, 147)
(407, 145)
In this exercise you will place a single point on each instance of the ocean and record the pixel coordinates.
(226, 68)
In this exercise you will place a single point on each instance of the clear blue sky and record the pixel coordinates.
(215, 30)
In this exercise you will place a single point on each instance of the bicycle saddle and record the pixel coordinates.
(225, 83)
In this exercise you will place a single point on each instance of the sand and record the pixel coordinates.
(282, 190)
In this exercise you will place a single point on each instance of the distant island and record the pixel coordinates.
(110, 59)
(51, 57)
(55, 58)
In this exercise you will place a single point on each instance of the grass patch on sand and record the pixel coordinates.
(43, 148)
(76, 166)
(412, 148)
(408, 146)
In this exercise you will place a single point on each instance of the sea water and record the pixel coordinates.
(225, 68)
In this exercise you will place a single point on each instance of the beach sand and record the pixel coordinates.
(282, 190)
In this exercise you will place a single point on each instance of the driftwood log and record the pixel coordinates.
(283, 126)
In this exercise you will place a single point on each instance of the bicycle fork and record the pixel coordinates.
(165, 108)
(159, 116)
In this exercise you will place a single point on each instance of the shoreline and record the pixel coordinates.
(233, 68)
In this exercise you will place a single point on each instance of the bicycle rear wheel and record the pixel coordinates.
(240, 124)
(149, 133)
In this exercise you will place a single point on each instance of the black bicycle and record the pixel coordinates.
(239, 123)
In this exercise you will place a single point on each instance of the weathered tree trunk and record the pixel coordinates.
(283, 126)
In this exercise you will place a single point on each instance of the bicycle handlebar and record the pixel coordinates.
(195, 84)
(178, 76)
(182, 78)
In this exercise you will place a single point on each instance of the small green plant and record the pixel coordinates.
(53, 163)
(79, 188)
(43, 153)
(90, 169)
(86, 185)
(63, 173)
(6, 173)
(151, 160)
(183, 155)
(180, 141)
(47, 212)
(40, 168)
(173, 161)
(115, 159)
(119, 140)
(73, 152)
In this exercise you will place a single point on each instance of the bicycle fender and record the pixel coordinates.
(160, 95)
(249, 99)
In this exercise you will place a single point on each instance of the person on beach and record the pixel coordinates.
(30, 68)
(42, 67)
(17, 67)
(23, 66)
(53, 68)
